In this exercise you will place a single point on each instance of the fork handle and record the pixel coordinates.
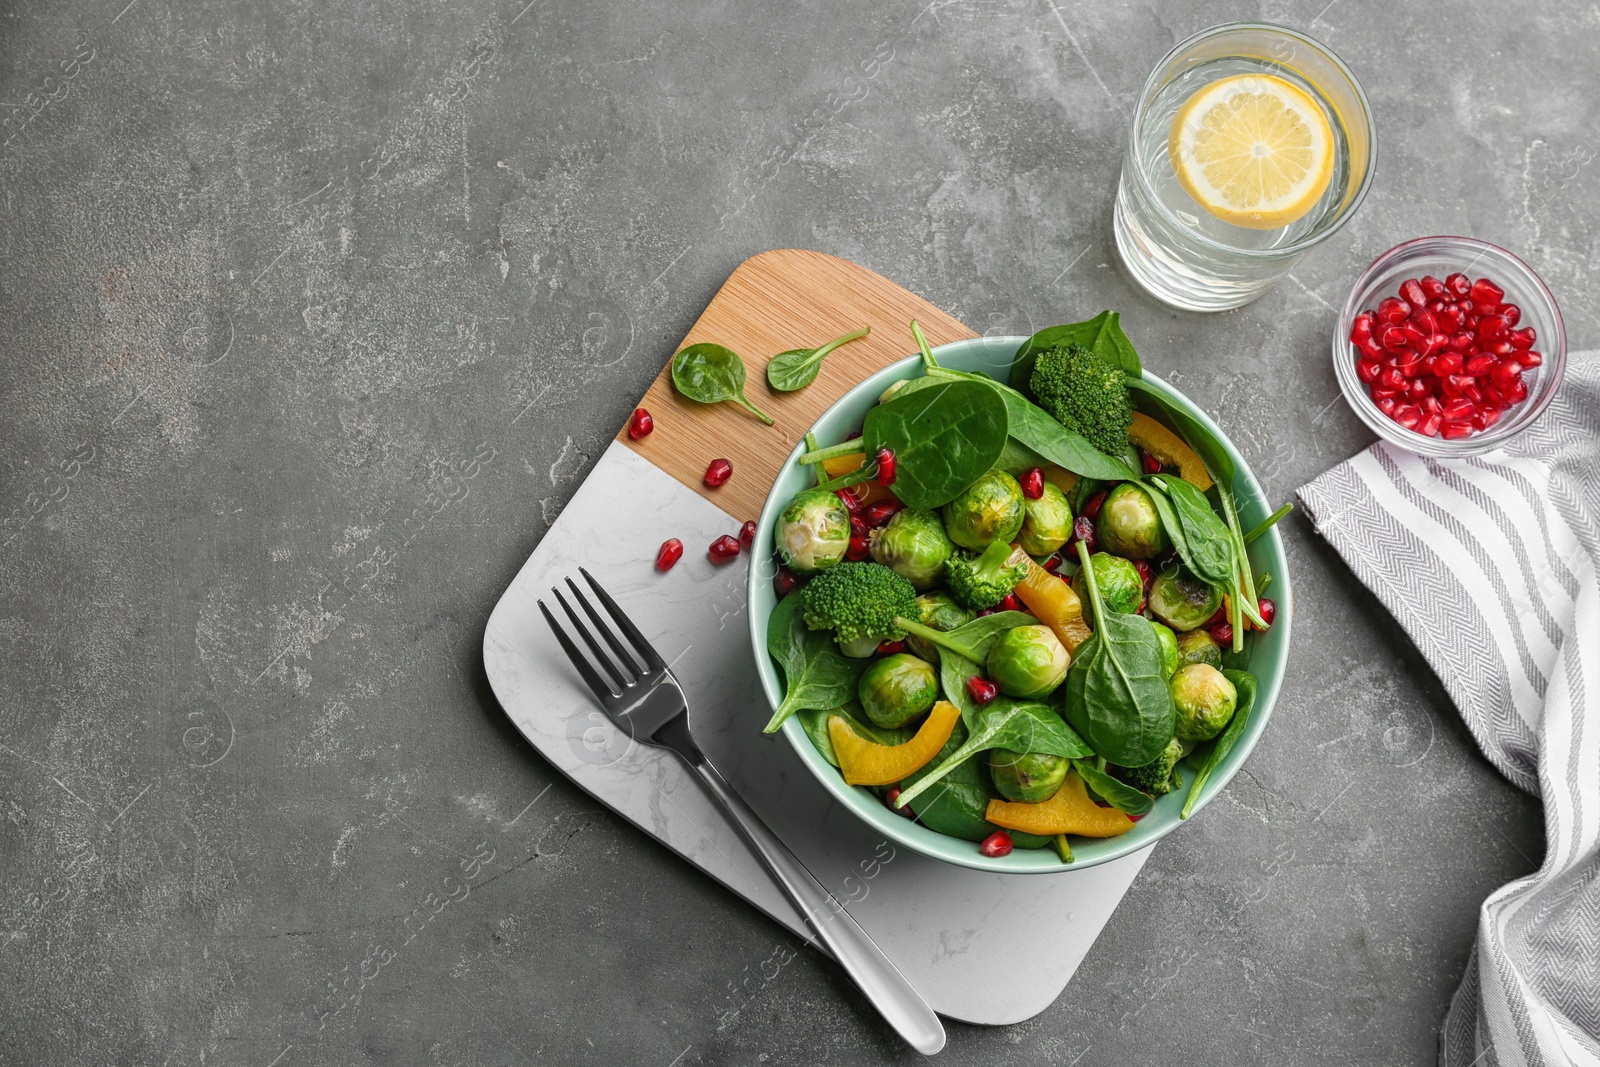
(857, 953)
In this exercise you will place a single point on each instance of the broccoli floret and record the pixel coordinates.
(1084, 393)
(983, 580)
(1160, 776)
(859, 603)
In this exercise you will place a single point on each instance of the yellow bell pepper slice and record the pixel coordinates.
(1169, 449)
(1061, 478)
(1070, 811)
(864, 762)
(1053, 602)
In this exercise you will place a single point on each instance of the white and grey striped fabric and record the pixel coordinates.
(1509, 541)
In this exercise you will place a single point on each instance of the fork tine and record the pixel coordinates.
(594, 646)
(602, 690)
(651, 656)
(634, 663)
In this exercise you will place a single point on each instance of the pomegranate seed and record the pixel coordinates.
(1222, 633)
(881, 512)
(747, 534)
(1267, 609)
(1407, 415)
(886, 465)
(1430, 406)
(1419, 389)
(1032, 483)
(1083, 530)
(1370, 348)
(1361, 328)
(1148, 463)
(670, 552)
(785, 582)
(1379, 393)
(1458, 284)
(1452, 431)
(996, 845)
(892, 801)
(723, 549)
(1393, 338)
(1503, 374)
(1429, 424)
(981, 612)
(1512, 313)
(1091, 507)
(852, 503)
(1447, 363)
(889, 648)
(1052, 564)
(1220, 615)
(980, 689)
(858, 550)
(858, 527)
(1426, 320)
(1386, 405)
(1492, 328)
(1530, 359)
(1367, 371)
(1434, 287)
(1458, 409)
(1486, 295)
(853, 435)
(641, 424)
(1522, 339)
(1392, 311)
(1462, 342)
(1146, 575)
(1451, 318)
(718, 471)
(1411, 292)
(1416, 340)
(1485, 419)
(1472, 392)
(1392, 379)
(1477, 366)
(1518, 392)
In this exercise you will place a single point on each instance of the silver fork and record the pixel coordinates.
(638, 693)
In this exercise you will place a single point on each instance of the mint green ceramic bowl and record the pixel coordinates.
(992, 355)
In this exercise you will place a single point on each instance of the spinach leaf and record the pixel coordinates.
(710, 374)
(958, 805)
(1169, 522)
(815, 673)
(1120, 795)
(1245, 683)
(954, 670)
(1117, 694)
(943, 439)
(798, 367)
(815, 723)
(1186, 426)
(1020, 725)
(1101, 335)
(974, 639)
(1206, 536)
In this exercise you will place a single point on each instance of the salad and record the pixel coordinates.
(1020, 610)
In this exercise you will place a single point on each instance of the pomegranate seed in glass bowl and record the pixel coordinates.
(1470, 398)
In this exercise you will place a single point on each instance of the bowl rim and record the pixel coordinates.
(964, 853)
(1344, 352)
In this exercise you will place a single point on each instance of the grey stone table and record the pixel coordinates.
(280, 278)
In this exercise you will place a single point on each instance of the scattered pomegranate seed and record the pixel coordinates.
(1268, 610)
(889, 648)
(996, 845)
(1052, 564)
(981, 612)
(1032, 482)
(1132, 818)
(1218, 616)
(851, 502)
(892, 802)
(670, 552)
(858, 550)
(785, 582)
(641, 424)
(1083, 530)
(980, 689)
(1222, 634)
(1010, 603)
(858, 527)
(1146, 574)
(1092, 506)
(877, 514)
(886, 465)
(1148, 463)
(723, 549)
(718, 471)
(747, 534)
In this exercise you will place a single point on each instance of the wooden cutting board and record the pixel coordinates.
(755, 313)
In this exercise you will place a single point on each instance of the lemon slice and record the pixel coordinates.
(1253, 150)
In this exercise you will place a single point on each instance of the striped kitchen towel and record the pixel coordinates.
(1509, 541)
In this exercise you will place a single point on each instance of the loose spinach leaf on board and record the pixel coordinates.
(958, 803)
(815, 723)
(798, 367)
(1116, 689)
(943, 439)
(1205, 444)
(974, 639)
(1020, 725)
(1120, 795)
(1101, 335)
(1245, 684)
(1208, 540)
(710, 374)
(815, 673)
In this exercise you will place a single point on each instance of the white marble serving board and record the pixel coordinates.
(982, 948)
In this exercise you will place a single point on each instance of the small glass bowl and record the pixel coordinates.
(1442, 256)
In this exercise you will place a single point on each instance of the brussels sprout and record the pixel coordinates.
(988, 510)
(1203, 699)
(1028, 662)
(1118, 580)
(1129, 524)
(813, 532)
(1170, 661)
(1028, 777)
(1047, 523)
(1198, 646)
(914, 546)
(940, 611)
(1183, 601)
(897, 689)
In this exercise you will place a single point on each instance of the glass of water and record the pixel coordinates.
(1251, 145)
